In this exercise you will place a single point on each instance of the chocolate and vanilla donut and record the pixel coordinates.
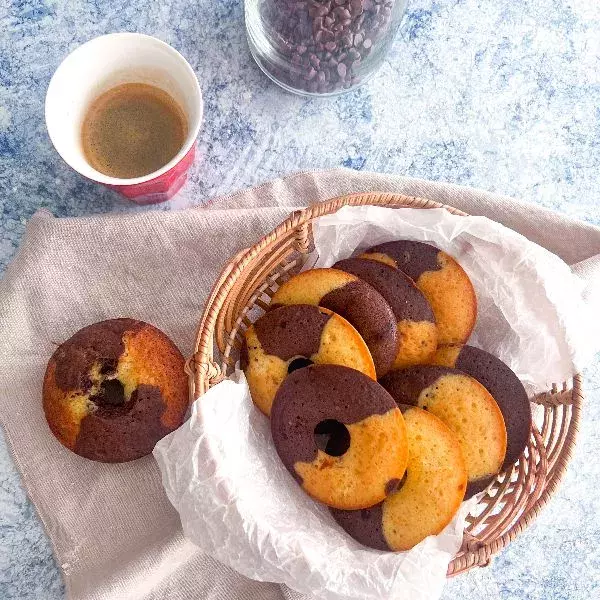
(502, 383)
(353, 299)
(466, 407)
(441, 279)
(291, 337)
(114, 389)
(340, 435)
(428, 496)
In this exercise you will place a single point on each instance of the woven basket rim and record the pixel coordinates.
(204, 371)
(296, 219)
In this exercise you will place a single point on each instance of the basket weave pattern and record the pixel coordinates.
(247, 283)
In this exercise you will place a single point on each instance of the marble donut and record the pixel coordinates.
(354, 300)
(466, 407)
(293, 336)
(114, 389)
(502, 383)
(428, 497)
(340, 435)
(417, 330)
(441, 279)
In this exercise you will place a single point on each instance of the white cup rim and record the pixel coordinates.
(193, 131)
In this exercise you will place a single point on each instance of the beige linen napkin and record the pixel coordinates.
(114, 532)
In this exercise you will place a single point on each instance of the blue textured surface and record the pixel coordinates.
(499, 95)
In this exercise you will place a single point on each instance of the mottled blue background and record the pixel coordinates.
(495, 94)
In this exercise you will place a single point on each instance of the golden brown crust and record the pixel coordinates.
(474, 416)
(381, 257)
(418, 341)
(452, 297)
(264, 372)
(354, 480)
(310, 286)
(502, 383)
(446, 356)
(434, 487)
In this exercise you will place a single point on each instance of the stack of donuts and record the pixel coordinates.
(379, 409)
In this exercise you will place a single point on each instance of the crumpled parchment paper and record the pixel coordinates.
(239, 504)
(530, 308)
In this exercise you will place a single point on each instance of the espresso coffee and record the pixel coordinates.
(132, 130)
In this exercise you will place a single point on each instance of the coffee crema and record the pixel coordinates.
(133, 130)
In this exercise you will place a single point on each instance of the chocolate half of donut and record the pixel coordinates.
(412, 258)
(362, 306)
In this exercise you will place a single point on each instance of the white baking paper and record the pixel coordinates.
(238, 503)
(531, 313)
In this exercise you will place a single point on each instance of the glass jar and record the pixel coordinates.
(321, 47)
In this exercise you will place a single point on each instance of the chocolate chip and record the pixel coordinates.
(109, 366)
(322, 32)
(111, 393)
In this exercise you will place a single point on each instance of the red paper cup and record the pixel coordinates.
(102, 64)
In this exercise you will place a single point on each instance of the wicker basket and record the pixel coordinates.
(512, 501)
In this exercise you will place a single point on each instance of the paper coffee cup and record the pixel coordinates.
(106, 62)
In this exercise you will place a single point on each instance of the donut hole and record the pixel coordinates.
(332, 437)
(299, 363)
(110, 395)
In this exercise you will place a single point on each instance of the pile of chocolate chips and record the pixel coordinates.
(323, 43)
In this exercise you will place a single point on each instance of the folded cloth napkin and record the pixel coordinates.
(114, 532)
